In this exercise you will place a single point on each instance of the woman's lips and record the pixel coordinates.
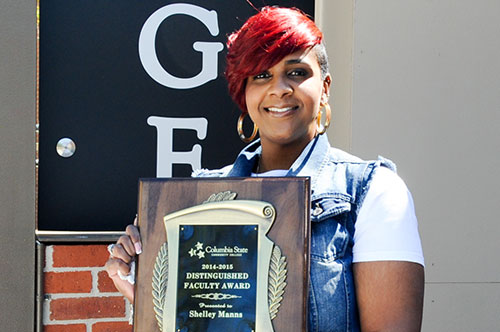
(280, 110)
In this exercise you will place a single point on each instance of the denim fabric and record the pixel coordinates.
(339, 182)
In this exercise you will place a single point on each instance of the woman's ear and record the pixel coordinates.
(327, 82)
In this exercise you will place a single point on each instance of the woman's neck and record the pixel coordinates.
(276, 156)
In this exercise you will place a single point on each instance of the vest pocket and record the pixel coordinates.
(329, 205)
(329, 234)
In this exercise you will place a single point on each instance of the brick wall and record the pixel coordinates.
(79, 296)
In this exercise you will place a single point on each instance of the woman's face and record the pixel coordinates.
(284, 101)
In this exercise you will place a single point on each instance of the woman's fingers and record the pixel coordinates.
(120, 251)
(126, 243)
(134, 235)
(113, 265)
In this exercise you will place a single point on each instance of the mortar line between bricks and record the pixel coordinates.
(86, 321)
(46, 311)
(105, 320)
(129, 308)
(77, 269)
(49, 263)
(56, 296)
(95, 282)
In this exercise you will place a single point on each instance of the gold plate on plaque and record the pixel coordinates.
(181, 303)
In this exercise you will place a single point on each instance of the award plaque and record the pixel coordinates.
(223, 254)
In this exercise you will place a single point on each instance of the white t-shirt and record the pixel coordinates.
(386, 228)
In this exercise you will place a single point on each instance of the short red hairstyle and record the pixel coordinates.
(263, 41)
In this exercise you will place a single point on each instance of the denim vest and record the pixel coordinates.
(339, 182)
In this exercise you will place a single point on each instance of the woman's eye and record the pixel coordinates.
(261, 76)
(297, 72)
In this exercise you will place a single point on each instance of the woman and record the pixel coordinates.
(366, 260)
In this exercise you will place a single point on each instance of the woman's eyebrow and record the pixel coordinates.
(293, 61)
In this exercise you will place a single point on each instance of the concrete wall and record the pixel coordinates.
(17, 158)
(335, 17)
(424, 90)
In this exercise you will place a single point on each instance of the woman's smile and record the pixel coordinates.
(281, 111)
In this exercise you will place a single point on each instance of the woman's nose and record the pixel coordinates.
(280, 87)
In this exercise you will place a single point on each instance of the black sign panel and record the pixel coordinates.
(217, 278)
(138, 87)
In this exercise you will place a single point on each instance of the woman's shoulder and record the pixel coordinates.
(211, 173)
(340, 156)
(344, 174)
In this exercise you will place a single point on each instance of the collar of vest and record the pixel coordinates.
(307, 164)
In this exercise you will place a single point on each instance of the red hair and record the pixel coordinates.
(263, 41)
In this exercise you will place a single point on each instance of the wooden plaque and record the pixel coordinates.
(229, 242)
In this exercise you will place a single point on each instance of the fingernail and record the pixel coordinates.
(138, 248)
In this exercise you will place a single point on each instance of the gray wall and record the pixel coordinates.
(424, 90)
(17, 155)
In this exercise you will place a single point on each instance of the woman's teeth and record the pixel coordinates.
(280, 110)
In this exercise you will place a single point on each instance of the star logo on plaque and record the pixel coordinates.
(198, 251)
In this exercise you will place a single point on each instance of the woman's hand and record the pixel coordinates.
(122, 254)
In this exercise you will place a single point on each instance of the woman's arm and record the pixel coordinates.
(390, 295)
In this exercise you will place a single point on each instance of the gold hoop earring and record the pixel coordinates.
(322, 128)
(239, 128)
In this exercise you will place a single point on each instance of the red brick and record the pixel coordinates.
(65, 328)
(104, 283)
(87, 307)
(68, 282)
(79, 255)
(112, 327)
